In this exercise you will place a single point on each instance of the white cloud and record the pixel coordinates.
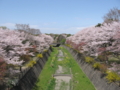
(8, 25)
(12, 25)
(71, 30)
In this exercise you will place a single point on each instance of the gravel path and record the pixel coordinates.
(59, 70)
(62, 80)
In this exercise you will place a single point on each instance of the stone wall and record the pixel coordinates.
(28, 80)
(95, 76)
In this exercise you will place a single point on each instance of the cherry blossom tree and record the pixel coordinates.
(14, 44)
(12, 47)
(115, 67)
(10, 43)
(97, 39)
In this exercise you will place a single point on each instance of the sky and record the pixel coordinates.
(55, 16)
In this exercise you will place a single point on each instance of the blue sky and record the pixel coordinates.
(55, 16)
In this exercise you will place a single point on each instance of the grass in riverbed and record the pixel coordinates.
(45, 79)
(79, 79)
(63, 85)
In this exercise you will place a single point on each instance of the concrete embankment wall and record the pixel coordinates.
(95, 76)
(28, 80)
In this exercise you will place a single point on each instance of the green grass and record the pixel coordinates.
(47, 82)
(63, 41)
(63, 85)
(45, 79)
(52, 84)
(66, 69)
(79, 80)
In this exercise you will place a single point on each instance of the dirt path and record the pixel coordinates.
(62, 80)
(59, 70)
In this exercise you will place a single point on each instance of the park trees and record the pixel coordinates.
(97, 39)
(15, 44)
(112, 15)
(101, 42)
(26, 28)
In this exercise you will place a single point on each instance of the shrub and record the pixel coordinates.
(101, 57)
(68, 45)
(31, 63)
(45, 50)
(63, 41)
(33, 49)
(25, 57)
(98, 25)
(96, 65)
(55, 36)
(103, 68)
(39, 55)
(112, 76)
(68, 35)
(77, 51)
(24, 41)
(2, 70)
(113, 59)
(89, 59)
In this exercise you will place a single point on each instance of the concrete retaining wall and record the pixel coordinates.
(28, 80)
(95, 76)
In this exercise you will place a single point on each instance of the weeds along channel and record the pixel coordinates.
(46, 80)
(62, 72)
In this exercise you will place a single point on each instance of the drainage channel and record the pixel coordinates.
(63, 81)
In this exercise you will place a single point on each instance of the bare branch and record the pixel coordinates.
(112, 15)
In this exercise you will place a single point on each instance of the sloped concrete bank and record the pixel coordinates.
(95, 76)
(28, 80)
